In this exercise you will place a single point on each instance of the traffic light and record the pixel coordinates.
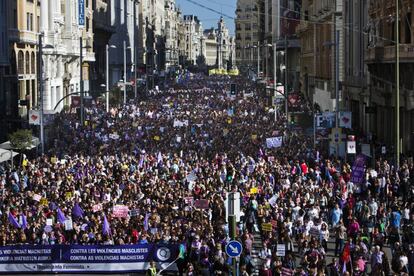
(233, 89)
(23, 102)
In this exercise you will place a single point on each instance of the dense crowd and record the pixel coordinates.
(159, 158)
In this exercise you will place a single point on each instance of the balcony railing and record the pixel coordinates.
(387, 53)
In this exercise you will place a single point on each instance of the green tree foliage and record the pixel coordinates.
(21, 139)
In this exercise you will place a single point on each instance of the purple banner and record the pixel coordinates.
(358, 170)
(85, 258)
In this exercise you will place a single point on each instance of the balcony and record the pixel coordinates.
(28, 37)
(302, 27)
(387, 54)
(102, 17)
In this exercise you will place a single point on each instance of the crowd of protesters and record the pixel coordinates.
(197, 142)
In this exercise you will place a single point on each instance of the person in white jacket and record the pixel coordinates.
(324, 235)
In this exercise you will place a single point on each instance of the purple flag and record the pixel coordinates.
(159, 158)
(261, 152)
(77, 211)
(147, 215)
(60, 216)
(141, 161)
(106, 229)
(358, 170)
(13, 221)
(24, 221)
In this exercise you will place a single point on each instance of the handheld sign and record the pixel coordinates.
(234, 249)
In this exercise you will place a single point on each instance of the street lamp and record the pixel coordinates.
(40, 83)
(107, 75)
(125, 70)
(82, 92)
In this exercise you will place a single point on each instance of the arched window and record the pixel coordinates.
(20, 63)
(33, 63)
(27, 63)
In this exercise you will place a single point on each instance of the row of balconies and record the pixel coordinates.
(388, 53)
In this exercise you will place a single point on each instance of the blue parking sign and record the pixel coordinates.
(234, 249)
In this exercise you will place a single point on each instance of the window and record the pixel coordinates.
(28, 21)
(408, 28)
(20, 63)
(15, 18)
(38, 24)
(27, 63)
(33, 64)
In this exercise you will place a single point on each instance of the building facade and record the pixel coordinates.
(172, 25)
(249, 34)
(355, 81)
(193, 31)
(102, 32)
(125, 20)
(317, 67)
(381, 59)
(23, 35)
(218, 46)
(5, 72)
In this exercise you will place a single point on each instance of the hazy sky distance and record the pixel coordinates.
(207, 17)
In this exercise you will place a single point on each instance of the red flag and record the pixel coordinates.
(346, 254)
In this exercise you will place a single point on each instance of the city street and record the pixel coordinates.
(207, 138)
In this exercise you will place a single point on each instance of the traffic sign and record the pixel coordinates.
(234, 249)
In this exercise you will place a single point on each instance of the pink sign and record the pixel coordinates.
(189, 200)
(120, 211)
(97, 208)
(201, 204)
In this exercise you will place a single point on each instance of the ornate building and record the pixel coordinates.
(381, 59)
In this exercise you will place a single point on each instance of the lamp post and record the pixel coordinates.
(40, 85)
(107, 75)
(258, 58)
(125, 77)
(82, 92)
(397, 85)
(275, 75)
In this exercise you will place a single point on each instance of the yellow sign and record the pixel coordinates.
(254, 136)
(336, 135)
(267, 227)
(68, 195)
(254, 190)
(53, 160)
(44, 202)
(24, 163)
(229, 121)
(156, 138)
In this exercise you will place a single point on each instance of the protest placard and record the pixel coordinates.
(254, 190)
(44, 202)
(273, 200)
(189, 200)
(97, 207)
(120, 211)
(134, 212)
(37, 197)
(201, 204)
(281, 250)
(267, 227)
(68, 225)
(274, 142)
